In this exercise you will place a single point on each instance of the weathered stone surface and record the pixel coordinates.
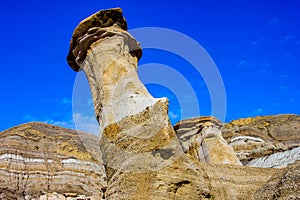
(285, 184)
(142, 155)
(216, 182)
(103, 18)
(138, 140)
(258, 137)
(191, 180)
(185, 178)
(277, 160)
(201, 138)
(37, 158)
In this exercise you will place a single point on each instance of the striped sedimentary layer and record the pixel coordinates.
(255, 139)
(277, 160)
(188, 128)
(268, 141)
(26, 177)
(36, 158)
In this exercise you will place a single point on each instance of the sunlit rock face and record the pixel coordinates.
(201, 138)
(134, 126)
(137, 140)
(284, 184)
(36, 158)
(142, 155)
(267, 141)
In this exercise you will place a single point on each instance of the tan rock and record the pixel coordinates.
(139, 139)
(183, 179)
(38, 157)
(285, 184)
(201, 138)
(142, 155)
(258, 137)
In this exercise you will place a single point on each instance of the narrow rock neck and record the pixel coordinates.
(136, 132)
(110, 67)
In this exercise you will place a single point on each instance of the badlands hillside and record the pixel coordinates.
(140, 155)
(42, 161)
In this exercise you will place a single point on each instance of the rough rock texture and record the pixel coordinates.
(100, 19)
(257, 137)
(277, 160)
(201, 138)
(214, 181)
(136, 140)
(37, 158)
(285, 184)
(141, 153)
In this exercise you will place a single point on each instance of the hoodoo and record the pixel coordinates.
(137, 138)
(201, 137)
(142, 155)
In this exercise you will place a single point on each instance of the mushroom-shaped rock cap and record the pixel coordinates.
(197, 122)
(101, 19)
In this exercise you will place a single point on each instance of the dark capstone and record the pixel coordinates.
(164, 153)
(101, 19)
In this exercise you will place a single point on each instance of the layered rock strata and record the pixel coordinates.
(216, 181)
(277, 160)
(259, 137)
(36, 158)
(201, 138)
(142, 155)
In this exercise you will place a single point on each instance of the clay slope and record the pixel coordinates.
(37, 158)
(256, 139)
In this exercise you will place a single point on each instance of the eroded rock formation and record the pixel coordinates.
(201, 138)
(137, 137)
(36, 158)
(255, 139)
(142, 156)
(35, 144)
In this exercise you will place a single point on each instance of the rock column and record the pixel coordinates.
(133, 124)
(136, 135)
(142, 156)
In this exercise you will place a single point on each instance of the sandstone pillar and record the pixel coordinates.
(141, 153)
(136, 134)
(133, 125)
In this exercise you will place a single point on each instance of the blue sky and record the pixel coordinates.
(254, 44)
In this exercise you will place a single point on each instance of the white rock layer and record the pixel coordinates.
(277, 160)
